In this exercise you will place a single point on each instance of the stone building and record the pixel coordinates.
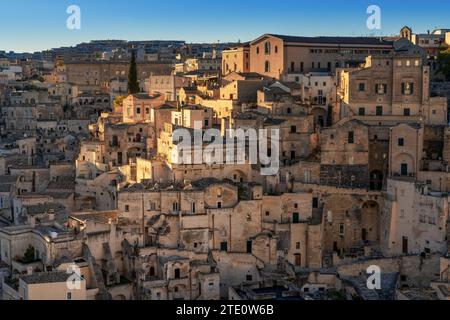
(236, 59)
(140, 107)
(390, 88)
(95, 75)
(345, 155)
(278, 55)
(417, 219)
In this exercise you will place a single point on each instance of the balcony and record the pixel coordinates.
(411, 177)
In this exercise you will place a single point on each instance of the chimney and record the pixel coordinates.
(51, 215)
(29, 271)
(32, 221)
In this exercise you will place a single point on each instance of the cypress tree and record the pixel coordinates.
(133, 85)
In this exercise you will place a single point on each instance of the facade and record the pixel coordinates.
(391, 87)
(236, 60)
(166, 85)
(276, 56)
(92, 75)
(140, 107)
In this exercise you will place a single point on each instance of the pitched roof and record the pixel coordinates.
(46, 277)
(333, 40)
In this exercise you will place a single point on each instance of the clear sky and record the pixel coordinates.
(31, 25)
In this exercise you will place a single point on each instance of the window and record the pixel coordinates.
(267, 66)
(380, 88)
(138, 110)
(302, 65)
(175, 206)
(407, 112)
(249, 277)
(351, 137)
(315, 203)
(407, 88)
(267, 47)
(362, 111)
(127, 208)
(362, 87)
(69, 295)
(341, 230)
(276, 49)
(177, 273)
(292, 66)
(224, 246)
(293, 129)
(249, 246)
(219, 205)
(379, 111)
(297, 246)
(401, 142)
(257, 50)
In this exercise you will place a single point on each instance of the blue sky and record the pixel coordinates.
(30, 25)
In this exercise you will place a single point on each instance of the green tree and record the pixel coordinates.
(444, 63)
(118, 101)
(133, 85)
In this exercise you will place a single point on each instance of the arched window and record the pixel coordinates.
(267, 47)
(267, 66)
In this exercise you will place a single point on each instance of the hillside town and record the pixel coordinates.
(97, 204)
